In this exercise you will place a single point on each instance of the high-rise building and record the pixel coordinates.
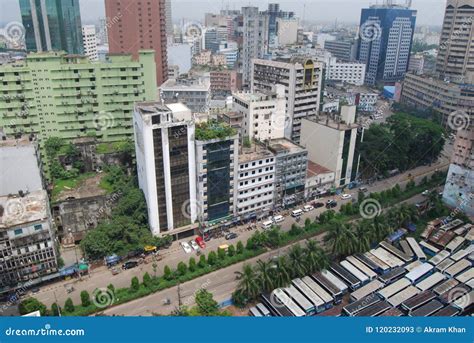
(67, 96)
(386, 35)
(165, 155)
(274, 13)
(344, 49)
(27, 241)
(255, 40)
(52, 25)
(455, 60)
(89, 38)
(169, 19)
(138, 26)
(302, 78)
(195, 93)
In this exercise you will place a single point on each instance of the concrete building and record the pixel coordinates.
(291, 163)
(169, 19)
(67, 96)
(343, 49)
(348, 72)
(319, 181)
(417, 64)
(287, 30)
(137, 26)
(302, 78)
(224, 82)
(255, 40)
(263, 113)
(386, 35)
(166, 166)
(195, 93)
(331, 142)
(27, 243)
(256, 182)
(180, 54)
(89, 38)
(173, 71)
(231, 56)
(274, 13)
(455, 60)
(55, 25)
(217, 150)
(204, 58)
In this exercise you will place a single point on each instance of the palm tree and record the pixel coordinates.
(297, 261)
(316, 258)
(341, 240)
(264, 275)
(362, 236)
(281, 272)
(248, 282)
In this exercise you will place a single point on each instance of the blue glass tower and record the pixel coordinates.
(385, 40)
(52, 25)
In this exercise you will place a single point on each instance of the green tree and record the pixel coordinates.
(231, 250)
(134, 284)
(264, 275)
(55, 311)
(340, 239)
(221, 254)
(206, 304)
(85, 299)
(182, 268)
(192, 264)
(52, 146)
(31, 305)
(147, 280)
(212, 258)
(240, 248)
(315, 257)
(248, 284)
(69, 305)
(168, 275)
(297, 261)
(202, 261)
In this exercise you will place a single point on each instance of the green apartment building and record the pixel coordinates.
(53, 94)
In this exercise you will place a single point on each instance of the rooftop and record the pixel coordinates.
(19, 166)
(255, 152)
(328, 121)
(185, 84)
(284, 146)
(315, 169)
(212, 129)
(19, 210)
(254, 96)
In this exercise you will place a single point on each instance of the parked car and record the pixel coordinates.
(200, 242)
(187, 249)
(194, 245)
(129, 265)
(230, 236)
(278, 219)
(363, 189)
(317, 204)
(331, 204)
(115, 270)
(267, 224)
(425, 193)
(307, 208)
(345, 196)
(296, 213)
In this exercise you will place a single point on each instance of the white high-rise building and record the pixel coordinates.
(166, 165)
(349, 72)
(255, 40)
(287, 30)
(89, 38)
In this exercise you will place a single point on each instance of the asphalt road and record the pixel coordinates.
(222, 281)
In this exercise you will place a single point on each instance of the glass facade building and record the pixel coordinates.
(52, 25)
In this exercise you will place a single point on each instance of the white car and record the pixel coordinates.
(308, 208)
(194, 245)
(425, 193)
(187, 249)
(346, 196)
(278, 219)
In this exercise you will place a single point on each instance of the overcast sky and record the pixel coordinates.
(430, 12)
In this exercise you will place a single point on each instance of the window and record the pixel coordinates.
(18, 231)
(38, 227)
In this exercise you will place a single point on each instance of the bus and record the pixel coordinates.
(374, 310)
(366, 290)
(460, 254)
(419, 273)
(362, 267)
(396, 252)
(394, 288)
(282, 299)
(354, 271)
(318, 303)
(445, 265)
(418, 300)
(382, 266)
(458, 267)
(465, 302)
(431, 281)
(360, 304)
(253, 312)
(300, 300)
(279, 311)
(369, 263)
(345, 276)
(445, 286)
(263, 310)
(451, 296)
(444, 240)
(427, 309)
(470, 236)
(402, 296)
(319, 291)
(452, 225)
(333, 291)
(393, 275)
(406, 248)
(391, 260)
(466, 276)
(439, 257)
(413, 265)
(335, 280)
(448, 311)
(393, 312)
(455, 244)
(419, 254)
(428, 248)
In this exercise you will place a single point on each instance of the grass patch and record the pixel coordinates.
(61, 185)
(112, 147)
